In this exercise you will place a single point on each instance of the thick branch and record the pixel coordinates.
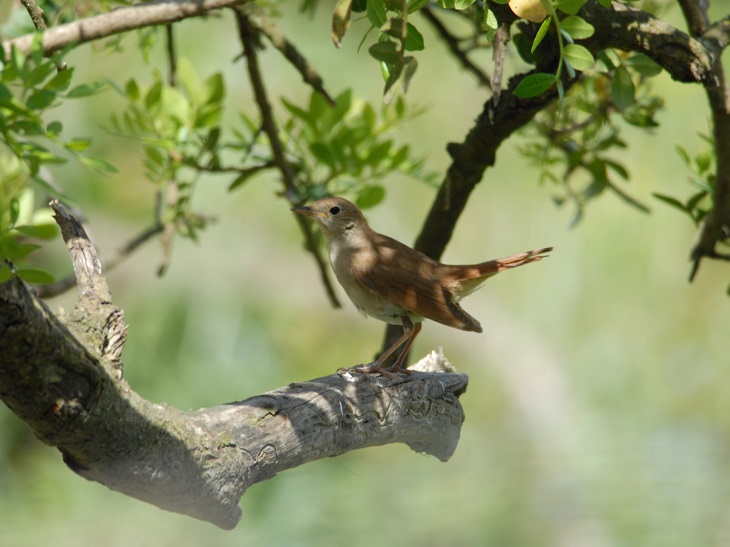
(200, 463)
(118, 21)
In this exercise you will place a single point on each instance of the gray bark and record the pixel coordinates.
(62, 375)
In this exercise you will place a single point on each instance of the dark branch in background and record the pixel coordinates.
(171, 55)
(258, 18)
(63, 377)
(453, 44)
(249, 39)
(715, 226)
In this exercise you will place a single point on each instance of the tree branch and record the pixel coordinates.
(715, 226)
(199, 463)
(118, 21)
(453, 44)
(249, 39)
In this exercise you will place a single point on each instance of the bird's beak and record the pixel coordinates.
(308, 211)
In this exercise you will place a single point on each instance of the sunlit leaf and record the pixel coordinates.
(578, 56)
(542, 31)
(534, 85)
(376, 13)
(577, 27)
(84, 90)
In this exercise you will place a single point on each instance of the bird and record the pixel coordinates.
(392, 282)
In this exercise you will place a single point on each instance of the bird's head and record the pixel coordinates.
(336, 216)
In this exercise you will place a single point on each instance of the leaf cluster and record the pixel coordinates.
(573, 141)
(346, 150)
(702, 167)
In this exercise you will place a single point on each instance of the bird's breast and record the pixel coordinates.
(343, 261)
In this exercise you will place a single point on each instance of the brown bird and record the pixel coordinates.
(390, 281)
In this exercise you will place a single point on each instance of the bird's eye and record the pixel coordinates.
(335, 210)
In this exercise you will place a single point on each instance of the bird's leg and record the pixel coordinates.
(410, 331)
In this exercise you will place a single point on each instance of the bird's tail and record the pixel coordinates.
(471, 277)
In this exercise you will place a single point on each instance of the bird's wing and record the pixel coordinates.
(410, 281)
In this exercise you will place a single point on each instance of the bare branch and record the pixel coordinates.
(249, 38)
(453, 44)
(201, 463)
(36, 14)
(117, 21)
(258, 18)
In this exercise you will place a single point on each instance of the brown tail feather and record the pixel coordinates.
(471, 277)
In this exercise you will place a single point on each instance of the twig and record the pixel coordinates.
(36, 15)
(248, 38)
(715, 226)
(86, 263)
(63, 285)
(453, 44)
(260, 21)
(171, 55)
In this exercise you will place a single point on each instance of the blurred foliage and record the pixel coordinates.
(578, 135)
(597, 412)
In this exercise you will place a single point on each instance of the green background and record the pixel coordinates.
(597, 412)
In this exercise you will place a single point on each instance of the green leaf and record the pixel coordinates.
(415, 5)
(84, 90)
(400, 75)
(490, 24)
(376, 13)
(241, 179)
(541, 33)
(189, 80)
(77, 145)
(683, 154)
(643, 65)
(40, 231)
(132, 90)
(5, 273)
(60, 81)
(578, 56)
(39, 74)
(386, 52)
(622, 89)
(669, 200)
(463, 4)
(534, 85)
(370, 196)
(214, 89)
(570, 7)
(41, 99)
(97, 164)
(299, 113)
(54, 128)
(577, 27)
(34, 275)
(414, 39)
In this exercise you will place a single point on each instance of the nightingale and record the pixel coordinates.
(390, 281)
